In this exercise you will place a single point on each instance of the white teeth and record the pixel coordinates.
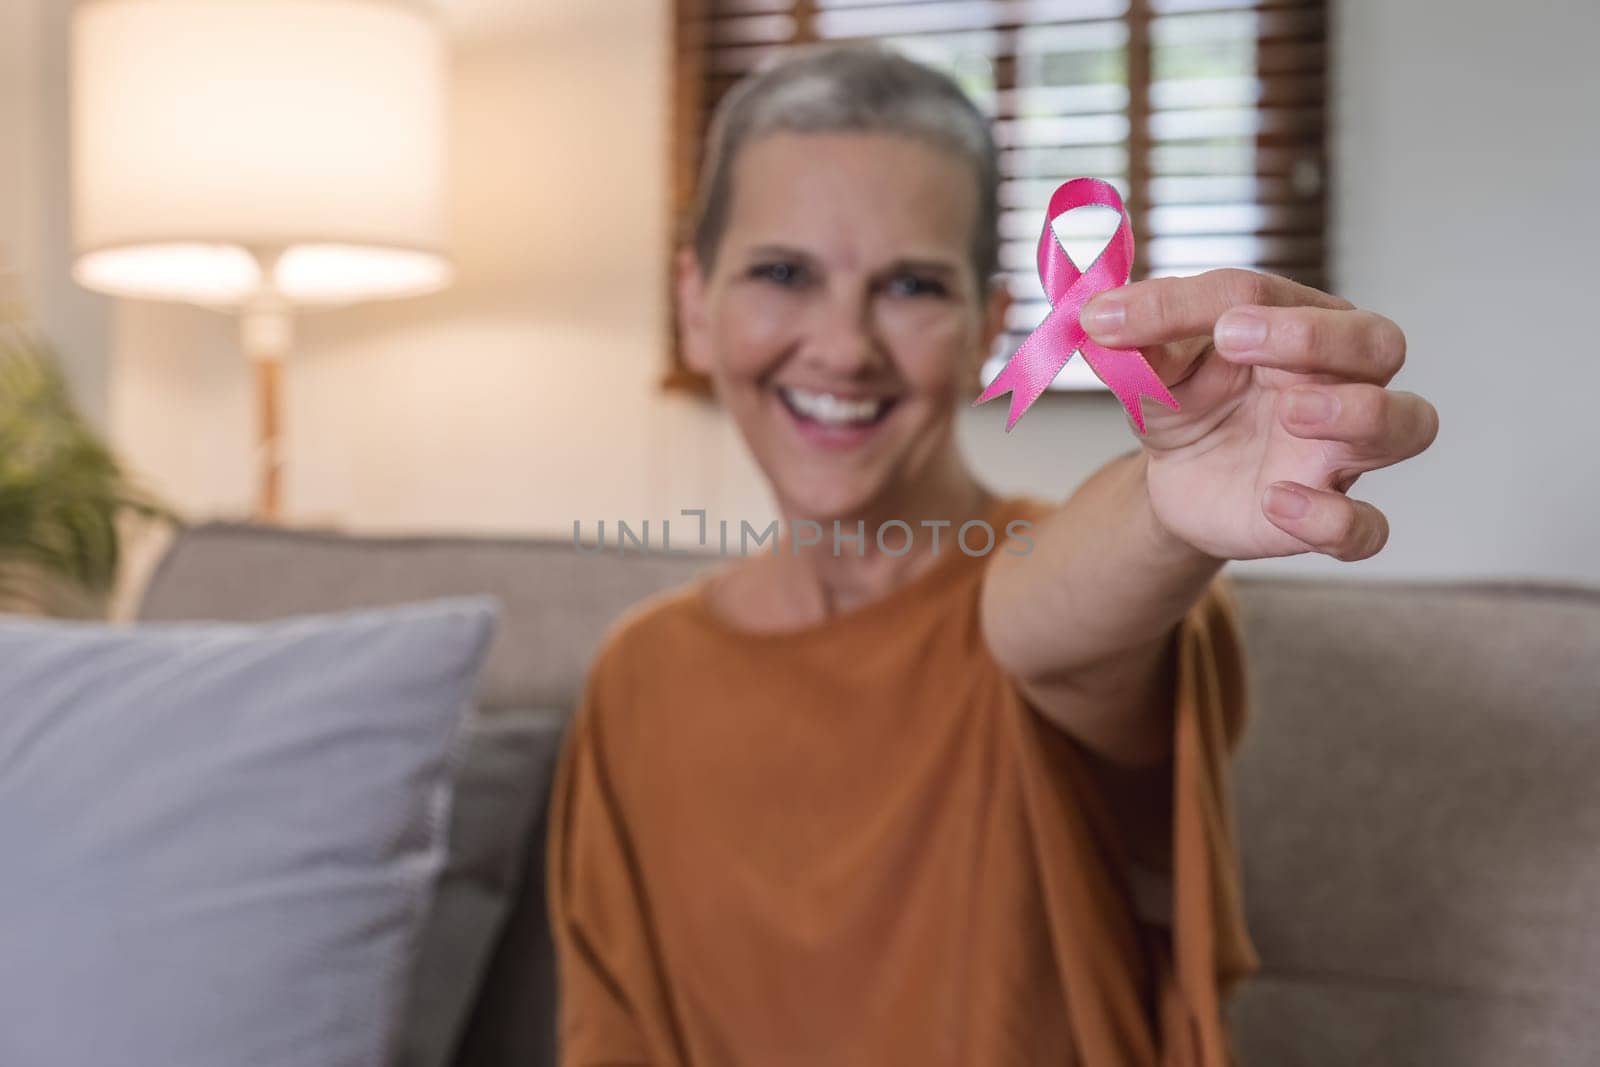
(833, 410)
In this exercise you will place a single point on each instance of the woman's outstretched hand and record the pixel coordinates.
(1285, 403)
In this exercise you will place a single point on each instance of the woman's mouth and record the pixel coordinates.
(833, 419)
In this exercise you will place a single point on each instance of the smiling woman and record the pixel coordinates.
(849, 803)
(863, 248)
(865, 222)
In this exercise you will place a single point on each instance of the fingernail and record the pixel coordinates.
(1241, 332)
(1310, 406)
(1287, 503)
(1105, 315)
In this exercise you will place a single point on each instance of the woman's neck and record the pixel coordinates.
(918, 524)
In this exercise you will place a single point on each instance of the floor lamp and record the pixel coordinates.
(259, 156)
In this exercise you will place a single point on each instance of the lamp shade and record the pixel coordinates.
(212, 139)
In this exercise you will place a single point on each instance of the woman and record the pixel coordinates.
(863, 800)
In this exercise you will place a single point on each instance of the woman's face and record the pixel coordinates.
(842, 318)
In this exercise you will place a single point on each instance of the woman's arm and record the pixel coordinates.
(1085, 620)
(1284, 403)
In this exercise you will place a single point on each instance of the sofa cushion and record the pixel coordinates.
(219, 840)
(557, 605)
(501, 791)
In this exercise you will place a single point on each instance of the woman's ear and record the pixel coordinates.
(996, 307)
(693, 331)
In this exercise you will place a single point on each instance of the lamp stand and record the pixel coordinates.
(267, 333)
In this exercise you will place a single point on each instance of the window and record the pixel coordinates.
(1209, 116)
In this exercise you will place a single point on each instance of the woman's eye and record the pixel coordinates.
(785, 274)
(914, 285)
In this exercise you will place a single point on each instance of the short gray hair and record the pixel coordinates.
(849, 88)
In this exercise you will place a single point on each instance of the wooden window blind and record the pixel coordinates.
(1209, 115)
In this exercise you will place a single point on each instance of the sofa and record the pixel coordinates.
(1417, 794)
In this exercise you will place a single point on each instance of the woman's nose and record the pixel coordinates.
(843, 340)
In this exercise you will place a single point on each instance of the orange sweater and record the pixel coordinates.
(854, 844)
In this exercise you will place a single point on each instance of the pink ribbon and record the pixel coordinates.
(1040, 358)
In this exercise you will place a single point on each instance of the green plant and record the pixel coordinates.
(62, 491)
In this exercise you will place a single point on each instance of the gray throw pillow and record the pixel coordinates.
(218, 840)
(501, 790)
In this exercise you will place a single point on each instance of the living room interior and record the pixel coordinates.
(1415, 796)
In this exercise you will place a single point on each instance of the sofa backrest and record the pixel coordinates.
(1417, 795)
(557, 601)
(1419, 804)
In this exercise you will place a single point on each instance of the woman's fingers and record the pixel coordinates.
(1331, 523)
(1382, 426)
(1359, 345)
(1163, 310)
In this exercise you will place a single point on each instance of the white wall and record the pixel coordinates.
(525, 397)
(17, 107)
(1469, 167)
(33, 203)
